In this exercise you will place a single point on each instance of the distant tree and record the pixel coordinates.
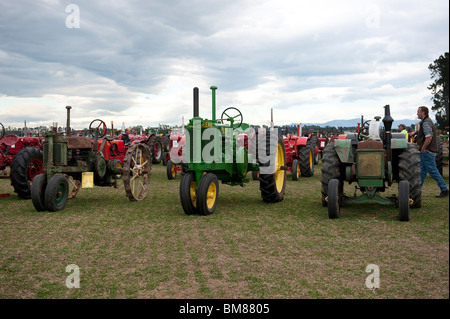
(439, 88)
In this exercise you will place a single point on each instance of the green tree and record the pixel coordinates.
(439, 88)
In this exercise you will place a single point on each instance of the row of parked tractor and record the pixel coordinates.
(51, 169)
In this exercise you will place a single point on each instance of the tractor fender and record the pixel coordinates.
(344, 150)
(302, 141)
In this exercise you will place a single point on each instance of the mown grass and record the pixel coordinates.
(246, 249)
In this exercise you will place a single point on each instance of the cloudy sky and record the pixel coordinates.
(137, 61)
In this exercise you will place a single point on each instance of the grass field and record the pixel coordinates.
(246, 249)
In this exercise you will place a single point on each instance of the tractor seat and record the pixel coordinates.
(77, 142)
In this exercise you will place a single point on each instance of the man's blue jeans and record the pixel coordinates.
(428, 165)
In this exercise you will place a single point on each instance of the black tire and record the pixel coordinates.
(409, 170)
(170, 170)
(331, 169)
(38, 192)
(207, 194)
(272, 186)
(439, 155)
(164, 158)
(188, 197)
(295, 170)
(27, 164)
(155, 148)
(403, 201)
(56, 193)
(165, 143)
(313, 143)
(334, 199)
(306, 160)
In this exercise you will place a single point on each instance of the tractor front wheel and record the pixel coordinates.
(56, 193)
(207, 194)
(334, 199)
(38, 192)
(188, 193)
(330, 170)
(170, 170)
(403, 201)
(295, 170)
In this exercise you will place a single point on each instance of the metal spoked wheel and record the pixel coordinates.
(136, 172)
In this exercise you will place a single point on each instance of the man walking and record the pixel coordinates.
(427, 142)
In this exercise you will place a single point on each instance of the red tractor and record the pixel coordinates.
(153, 141)
(177, 142)
(24, 157)
(301, 154)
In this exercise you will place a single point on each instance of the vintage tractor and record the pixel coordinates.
(301, 153)
(223, 149)
(80, 158)
(23, 154)
(177, 142)
(373, 161)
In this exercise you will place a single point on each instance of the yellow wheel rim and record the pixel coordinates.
(172, 169)
(297, 171)
(193, 193)
(211, 195)
(310, 159)
(279, 173)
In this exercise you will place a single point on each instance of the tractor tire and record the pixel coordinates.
(170, 170)
(439, 155)
(27, 164)
(188, 193)
(403, 201)
(334, 199)
(38, 192)
(156, 148)
(56, 193)
(136, 172)
(313, 144)
(306, 160)
(409, 170)
(165, 143)
(331, 169)
(295, 170)
(165, 158)
(207, 194)
(273, 186)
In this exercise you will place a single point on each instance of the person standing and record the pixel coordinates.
(125, 138)
(427, 142)
(402, 129)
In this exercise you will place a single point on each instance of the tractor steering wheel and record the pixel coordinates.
(364, 131)
(100, 129)
(235, 113)
(2, 131)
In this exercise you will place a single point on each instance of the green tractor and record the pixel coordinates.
(227, 149)
(372, 158)
(87, 162)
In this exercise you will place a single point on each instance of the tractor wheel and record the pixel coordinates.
(403, 201)
(38, 192)
(330, 170)
(273, 186)
(170, 170)
(136, 172)
(255, 175)
(156, 148)
(409, 170)
(165, 143)
(165, 158)
(26, 165)
(306, 160)
(334, 199)
(313, 144)
(207, 194)
(295, 170)
(188, 193)
(56, 193)
(440, 141)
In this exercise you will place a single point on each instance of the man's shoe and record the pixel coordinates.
(443, 194)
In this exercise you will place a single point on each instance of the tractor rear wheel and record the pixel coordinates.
(313, 143)
(156, 148)
(403, 201)
(170, 170)
(295, 170)
(207, 194)
(273, 186)
(409, 170)
(330, 170)
(306, 160)
(38, 192)
(56, 193)
(27, 164)
(136, 172)
(334, 199)
(188, 193)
